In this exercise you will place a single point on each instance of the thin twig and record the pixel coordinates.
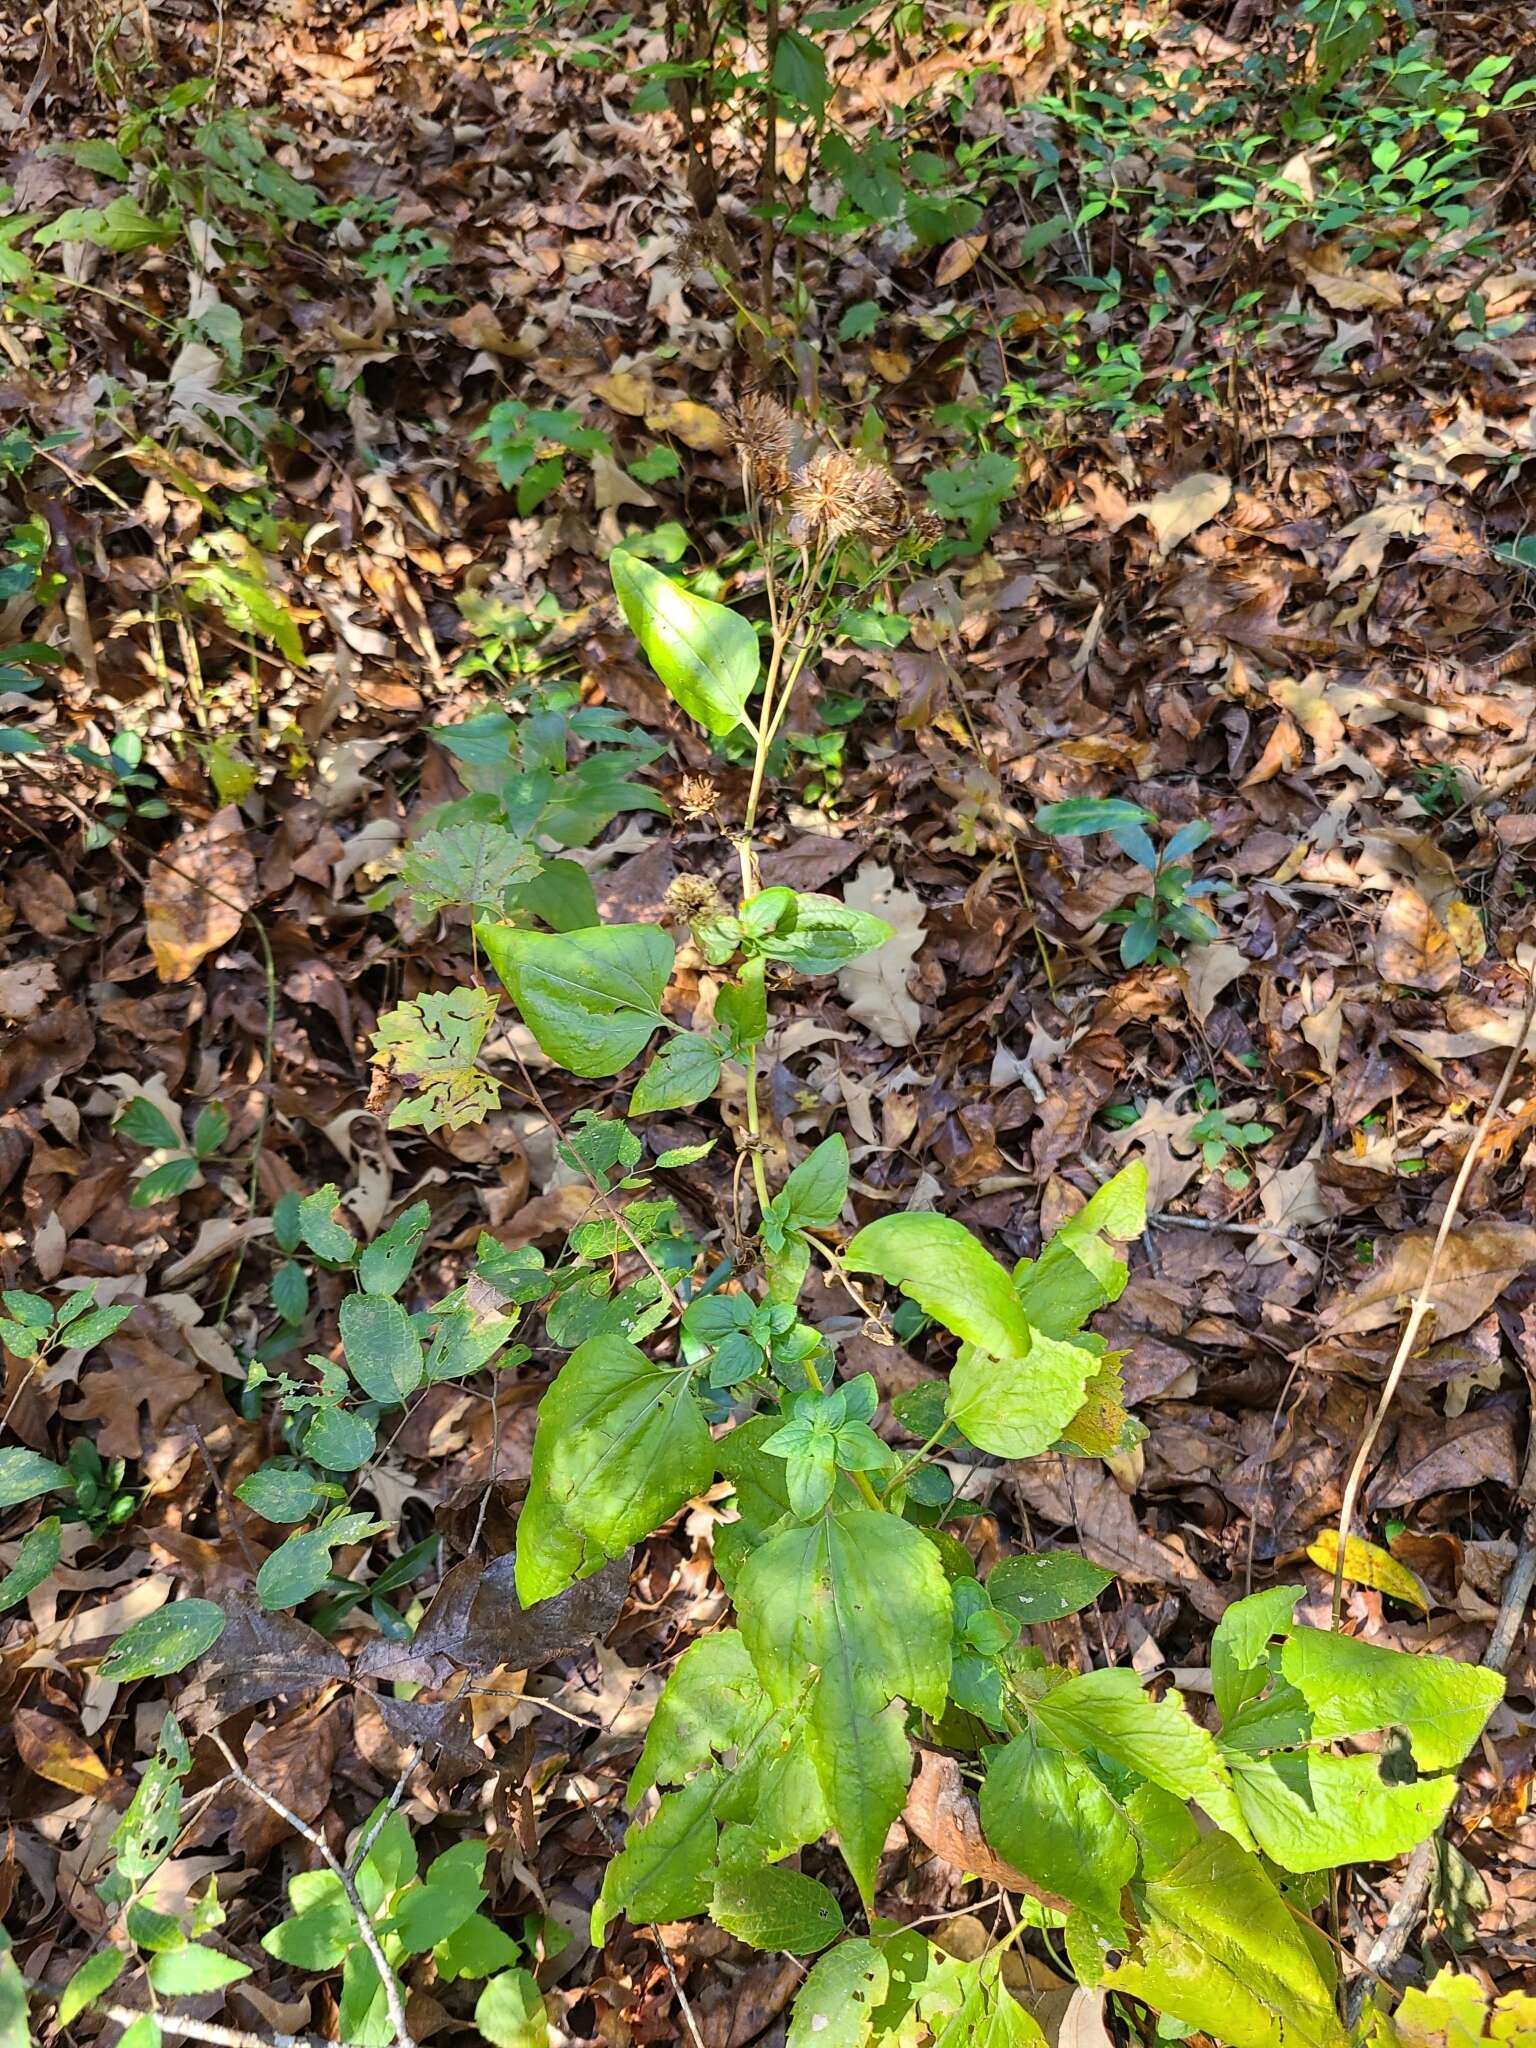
(375, 1827)
(210, 2030)
(1422, 1301)
(604, 1197)
(190, 2029)
(344, 1878)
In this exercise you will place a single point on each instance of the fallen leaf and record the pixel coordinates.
(259, 1656)
(1077, 1493)
(56, 1043)
(477, 1623)
(612, 486)
(1175, 514)
(696, 426)
(1478, 1262)
(626, 392)
(1369, 535)
(293, 1762)
(941, 1813)
(875, 985)
(478, 327)
(195, 901)
(23, 989)
(1432, 1455)
(1369, 1565)
(1413, 948)
(51, 1749)
(958, 258)
(1207, 971)
(1348, 290)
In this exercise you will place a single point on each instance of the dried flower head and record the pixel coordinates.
(761, 432)
(837, 495)
(925, 531)
(693, 898)
(697, 796)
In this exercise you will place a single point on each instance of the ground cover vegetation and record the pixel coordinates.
(769, 1265)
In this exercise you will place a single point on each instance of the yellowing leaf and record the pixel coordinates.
(626, 392)
(958, 258)
(696, 426)
(1369, 1565)
(1465, 925)
(50, 1749)
(1413, 948)
(195, 901)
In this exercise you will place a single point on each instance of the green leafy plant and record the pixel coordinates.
(1220, 1136)
(174, 1165)
(861, 1625)
(1156, 923)
(527, 447)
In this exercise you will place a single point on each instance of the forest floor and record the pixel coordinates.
(1236, 533)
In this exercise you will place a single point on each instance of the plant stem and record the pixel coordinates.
(393, 2000)
(1422, 1300)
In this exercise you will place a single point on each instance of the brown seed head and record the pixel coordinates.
(836, 495)
(692, 898)
(697, 796)
(925, 531)
(761, 431)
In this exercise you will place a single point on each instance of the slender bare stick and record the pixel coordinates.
(376, 1827)
(1423, 1300)
(365, 1926)
(210, 2030)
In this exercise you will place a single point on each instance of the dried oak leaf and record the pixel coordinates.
(1479, 1261)
(196, 900)
(875, 985)
(258, 1657)
(54, 1044)
(940, 1812)
(477, 1623)
(1413, 948)
(1076, 1492)
(24, 988)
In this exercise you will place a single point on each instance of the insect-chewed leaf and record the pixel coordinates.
(433, 1044)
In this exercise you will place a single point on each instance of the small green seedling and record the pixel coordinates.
(173, 1166)
(1156, 923)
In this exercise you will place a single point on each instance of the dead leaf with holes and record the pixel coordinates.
(195, 900)
(875, 985)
